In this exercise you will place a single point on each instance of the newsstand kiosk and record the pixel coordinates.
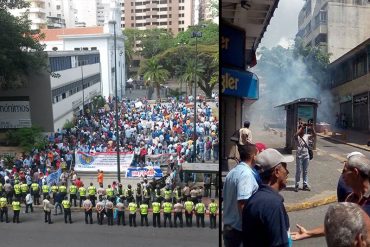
(300, 111)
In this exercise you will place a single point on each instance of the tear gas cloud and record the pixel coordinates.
(281, 82)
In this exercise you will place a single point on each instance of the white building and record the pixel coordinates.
(36, 13)
(337, 26)
(94, 38)
(52, 97)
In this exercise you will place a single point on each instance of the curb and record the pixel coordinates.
(292, 207)
(343, 142)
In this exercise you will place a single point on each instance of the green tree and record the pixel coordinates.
(27, 138)
(210, 34)
(131, 36)
(155, 74)
(20, 51)
(155, 41)
(193, 73)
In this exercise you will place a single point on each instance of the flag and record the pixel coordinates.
(54, 177)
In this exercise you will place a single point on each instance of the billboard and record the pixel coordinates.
(15, 112)
(106, 162)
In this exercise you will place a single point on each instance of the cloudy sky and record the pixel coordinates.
(283, 25)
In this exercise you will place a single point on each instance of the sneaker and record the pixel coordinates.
(296, 188)
(306, 188)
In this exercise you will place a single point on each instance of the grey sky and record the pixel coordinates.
(283, 25)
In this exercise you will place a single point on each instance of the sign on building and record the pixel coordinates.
(15, 112)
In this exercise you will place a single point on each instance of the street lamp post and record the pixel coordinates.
(121, 68)
(196, 34)
(116, 96)
(83, 88)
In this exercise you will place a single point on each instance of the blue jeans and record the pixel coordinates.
(301, 163)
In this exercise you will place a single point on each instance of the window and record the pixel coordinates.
(60, 63)
(58, 7)
(59, 15)
(93, 48)
(63, 95)
(77, 49)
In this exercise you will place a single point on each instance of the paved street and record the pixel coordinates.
(34, 232)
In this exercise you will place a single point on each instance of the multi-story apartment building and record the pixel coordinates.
(173, 15)
(36, 13)
(335, 25)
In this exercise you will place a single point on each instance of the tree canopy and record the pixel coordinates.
(20, 50)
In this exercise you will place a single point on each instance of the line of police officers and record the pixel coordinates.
(109, 201)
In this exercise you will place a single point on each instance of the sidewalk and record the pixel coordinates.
(324, 187)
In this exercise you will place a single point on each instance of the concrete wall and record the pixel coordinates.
(348, 26)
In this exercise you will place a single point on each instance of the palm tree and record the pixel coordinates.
(193, 71)
(155, 74)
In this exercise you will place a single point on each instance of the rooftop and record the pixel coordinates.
(54, 34)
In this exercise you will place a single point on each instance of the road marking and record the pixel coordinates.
(338, 157)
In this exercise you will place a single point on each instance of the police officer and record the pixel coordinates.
(100, 211)
(167, 210)
(129, 194)
(189, 207)
(109, 209)
(139, 195)
(1, 189)
(91, 190)
(156, 213)
(16, 209)
(212, 207)
(3, 209)
(63, 189)
(54, 191)
(24, 190)
(17, 191)
(120, 212)
(178, 212)
(67, 210)
(35, 191)
(110, 193)
(82, 192)
(144, 214)
(87, 205)
(45, 190)
(157, 195)
(200, 208)
(167, 194)
(176, 195)
(73, 194)
(132, 216)
(146, 194)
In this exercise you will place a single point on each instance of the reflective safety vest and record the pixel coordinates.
(167, 194)
(167, 207)
(35, 187)
(3, 202)
(132, 207)
(144, 209)
(213, 207)
(176, 194)
(129, 193)
(73, 189)
(24, 188)
(17, 189)
(189, 206)
(91, 190)
(200, 208)
(109, 192)
(45, 188)
(146, 193)
(16, 205)
(66, 204)
(62, 189)
(82, 191)
(157, 194)
(54, 189)
(156, 207)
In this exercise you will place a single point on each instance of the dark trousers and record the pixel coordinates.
(138, 201)
(82, 199)
(47, 216)
(110, 217)
(29, 206)
(44, 195)
(67, 213)
(36, 199)
(177, 215)
(18, 196)
(200, 217)
(2, 212)
(212, 220)
(156, 219)
(132, 219)
(189, 219)
(9, 197)
(144, 217)
(74, 198)
(16, 216)
(232, 237)
(167, 216)
(100, 217)
(121, 216)
(88, 214)
(92, 199)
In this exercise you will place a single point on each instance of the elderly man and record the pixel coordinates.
(356, 173)
(265, 221)
(346, 224)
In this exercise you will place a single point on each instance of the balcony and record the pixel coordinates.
(38, 21)
(37, 10)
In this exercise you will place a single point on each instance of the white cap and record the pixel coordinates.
(353, 154)
(269, 158)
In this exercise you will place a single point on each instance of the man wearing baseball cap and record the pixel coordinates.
(264, 214)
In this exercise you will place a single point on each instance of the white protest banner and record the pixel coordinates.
(161, 159)
(106, 162)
